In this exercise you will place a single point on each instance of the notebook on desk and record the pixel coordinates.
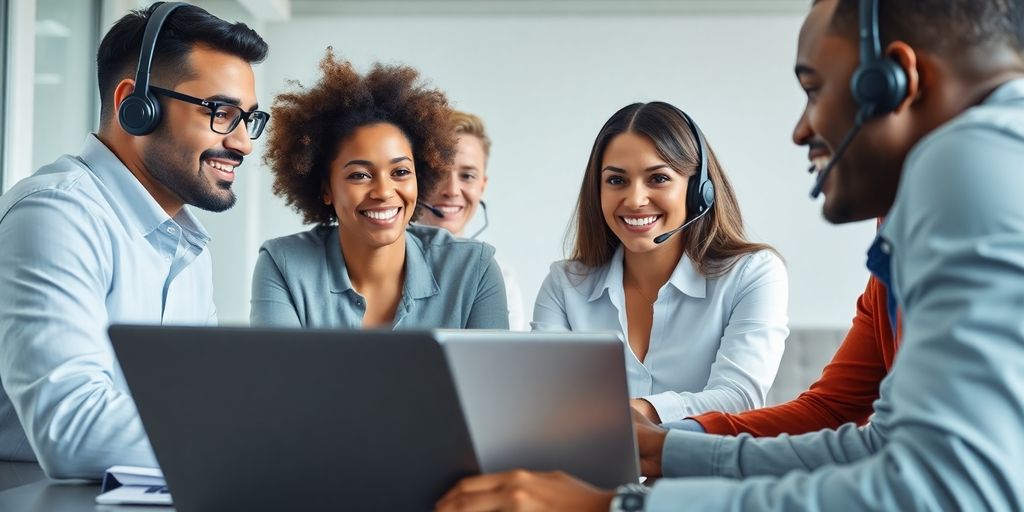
(133, 485)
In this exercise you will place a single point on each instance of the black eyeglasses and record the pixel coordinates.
(224, 117)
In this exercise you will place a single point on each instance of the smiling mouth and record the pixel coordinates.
(640, 223)
(449, 209)
(818, 163)
(226, 170)
(381, 215)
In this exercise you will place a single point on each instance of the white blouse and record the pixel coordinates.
(715, 343)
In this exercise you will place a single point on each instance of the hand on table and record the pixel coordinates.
(650, 441)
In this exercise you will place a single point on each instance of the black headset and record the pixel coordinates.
(139, 113)
(700, 192)
(879, 84)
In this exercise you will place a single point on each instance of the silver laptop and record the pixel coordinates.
(546, 401)
(258, 419)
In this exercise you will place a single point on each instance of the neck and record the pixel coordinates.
(372, 267)
(121, 145)
(651, 270)
(957, 87)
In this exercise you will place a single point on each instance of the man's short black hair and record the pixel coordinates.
(944, 27)
(188, 26)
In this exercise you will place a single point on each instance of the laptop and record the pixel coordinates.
(263, 419)
(546, 401)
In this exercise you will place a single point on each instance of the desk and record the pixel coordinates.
(26, 488)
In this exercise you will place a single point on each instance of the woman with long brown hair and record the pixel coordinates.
(702, 310)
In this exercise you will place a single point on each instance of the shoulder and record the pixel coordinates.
(299, 247)
(573, 277)
(964, 178)
(989, 136)
(439, 245)
(62, 189)
(758, 266)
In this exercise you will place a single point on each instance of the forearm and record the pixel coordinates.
(806, 413)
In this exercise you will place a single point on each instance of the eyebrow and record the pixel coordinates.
(367, 163)
(612, 168)
(221, 98)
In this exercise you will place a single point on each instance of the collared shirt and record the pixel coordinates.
(947, 429)
(301, 280)
(86, 246)
(715, 343)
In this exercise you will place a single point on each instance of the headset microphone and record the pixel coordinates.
(433, 209)
(878, 85)
(700, 192)
(483, 206)
(818, 183)
(665, 236)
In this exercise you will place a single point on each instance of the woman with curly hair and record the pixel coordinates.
(353, 154)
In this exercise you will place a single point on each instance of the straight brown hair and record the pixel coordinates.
(714, 242)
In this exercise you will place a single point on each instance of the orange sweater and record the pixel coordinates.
(846, 389)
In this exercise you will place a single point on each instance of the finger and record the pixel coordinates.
(481, 483)
(488, 501)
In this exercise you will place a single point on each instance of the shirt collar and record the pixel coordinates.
(685, 278)
(1012, 90)
(132, 200)
(419, 277)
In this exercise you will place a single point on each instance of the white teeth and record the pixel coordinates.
(220, 166)
(640, 221)
(381, 214)
(450, 209)
(820, 162)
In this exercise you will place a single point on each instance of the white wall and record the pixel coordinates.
(545, 84)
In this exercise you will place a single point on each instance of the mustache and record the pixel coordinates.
(817, 145)
(223, 155)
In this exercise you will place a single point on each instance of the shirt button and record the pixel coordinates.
(885, 247)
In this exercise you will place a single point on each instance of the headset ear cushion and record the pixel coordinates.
(707, 192)
(879, 86)
(139, 115)
(699, 195)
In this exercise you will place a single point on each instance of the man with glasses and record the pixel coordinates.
(104, 237)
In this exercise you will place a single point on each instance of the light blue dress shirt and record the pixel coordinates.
(948, 428)
(301, 280)
(86, 246)
(715, 342)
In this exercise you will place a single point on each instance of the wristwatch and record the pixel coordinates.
(630, 498)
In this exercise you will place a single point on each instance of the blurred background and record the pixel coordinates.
(544, 76)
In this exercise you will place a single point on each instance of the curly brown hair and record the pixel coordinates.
(310, 124)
